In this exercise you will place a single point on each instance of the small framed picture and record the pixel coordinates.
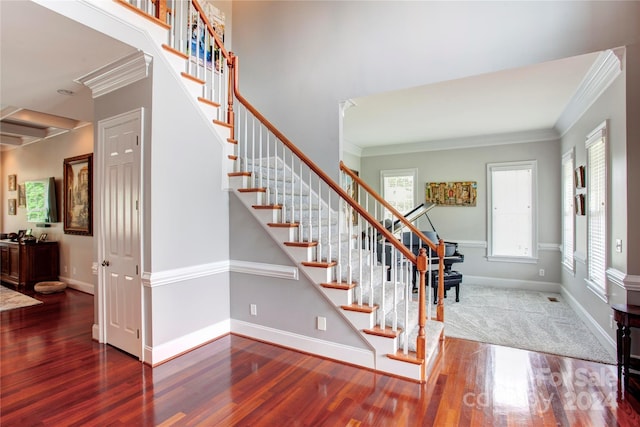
(42, 237)
(12, 206)
(22, 198)
(21, 234)
(12, 182)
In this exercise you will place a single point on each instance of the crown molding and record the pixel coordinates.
(602, 73)
(356, 150)
(538, 135)
(117, 74)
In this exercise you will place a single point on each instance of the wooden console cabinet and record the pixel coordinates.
(26, 265)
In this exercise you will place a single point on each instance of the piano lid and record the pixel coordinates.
(412, 216)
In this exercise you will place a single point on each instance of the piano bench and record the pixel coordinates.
(452, 278)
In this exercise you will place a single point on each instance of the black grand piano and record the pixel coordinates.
(452, 278)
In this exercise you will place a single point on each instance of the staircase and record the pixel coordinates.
(360, 266)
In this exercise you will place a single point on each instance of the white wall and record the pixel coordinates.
(41, 160)
(306, 57)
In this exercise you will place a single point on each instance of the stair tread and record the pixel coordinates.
(208, 101)
(239, 174)
(252, 190)
(339, 285)
(301, 244)
(319, 264)
(192, 78)
(386, 332)
(283, 224)
(267, 207)
(364, 308)
(411, 357)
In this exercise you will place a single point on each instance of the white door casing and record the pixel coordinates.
(120, 288)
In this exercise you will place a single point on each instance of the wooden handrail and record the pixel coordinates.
(387, 205)
(331, 183)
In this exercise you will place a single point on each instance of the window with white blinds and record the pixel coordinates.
(512, 224)
(596, 146)
(568, 218)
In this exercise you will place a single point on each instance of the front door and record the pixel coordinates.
(120, 138)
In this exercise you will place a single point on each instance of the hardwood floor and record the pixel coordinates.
(53, 374)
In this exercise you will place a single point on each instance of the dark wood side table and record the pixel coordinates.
(627, 317)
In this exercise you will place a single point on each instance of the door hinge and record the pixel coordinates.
(136, 205)
(137, 140)
(136, 270)
(138, 333)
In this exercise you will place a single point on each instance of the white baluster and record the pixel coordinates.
(300, 231)
(319, 247)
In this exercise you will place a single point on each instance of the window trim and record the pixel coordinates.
(600, 133)
(400, 172)
(524, 164)
(569, 259)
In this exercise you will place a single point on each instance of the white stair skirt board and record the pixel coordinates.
(159, 353)
(383, 345)
(328, 349)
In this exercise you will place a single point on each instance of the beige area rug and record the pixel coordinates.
(530, 320)
(10, 299)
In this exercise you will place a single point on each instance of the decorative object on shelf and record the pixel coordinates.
(12, 206)
(12, 182)
(580, 204)
(459, 193)
(78, 195)
(22, 198)
(579, 177)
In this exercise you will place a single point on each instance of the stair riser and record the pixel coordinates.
(382, 345)
(196, 89)
(267, 215)
(251, 198)
(302, 254)
(236, 182)
(360, 320)
(396, 367)
(288, 234)
(319, 274)
(339, 296)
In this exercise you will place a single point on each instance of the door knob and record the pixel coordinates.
(105, 263)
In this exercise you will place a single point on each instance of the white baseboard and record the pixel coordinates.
(163, 352)
(511, 283)
(95, 334)
(605, 339)
(85, 287)
(330, 350)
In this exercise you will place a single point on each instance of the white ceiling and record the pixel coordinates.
(40, 53)
(524, 99)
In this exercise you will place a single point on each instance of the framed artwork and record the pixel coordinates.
(12, 206)
(459, 193)
(12, 182)
(579, 205)
(42, 237)
(78, 195)
(579, 177)
(22, 198)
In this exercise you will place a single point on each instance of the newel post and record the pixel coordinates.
(231, 63)
(421, 266)
(440, 308)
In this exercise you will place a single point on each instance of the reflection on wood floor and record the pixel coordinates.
(52, 373)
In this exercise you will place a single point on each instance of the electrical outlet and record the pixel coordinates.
(73, 271)
(541, 272)
(65, 268)
(254, 310)
(619, 245)
(322, 323)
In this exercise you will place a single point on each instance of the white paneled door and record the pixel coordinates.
(121, 139)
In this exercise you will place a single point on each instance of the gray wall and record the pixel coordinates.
(610, 106)
(468, 225)
(283, 304)
(308, 56)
